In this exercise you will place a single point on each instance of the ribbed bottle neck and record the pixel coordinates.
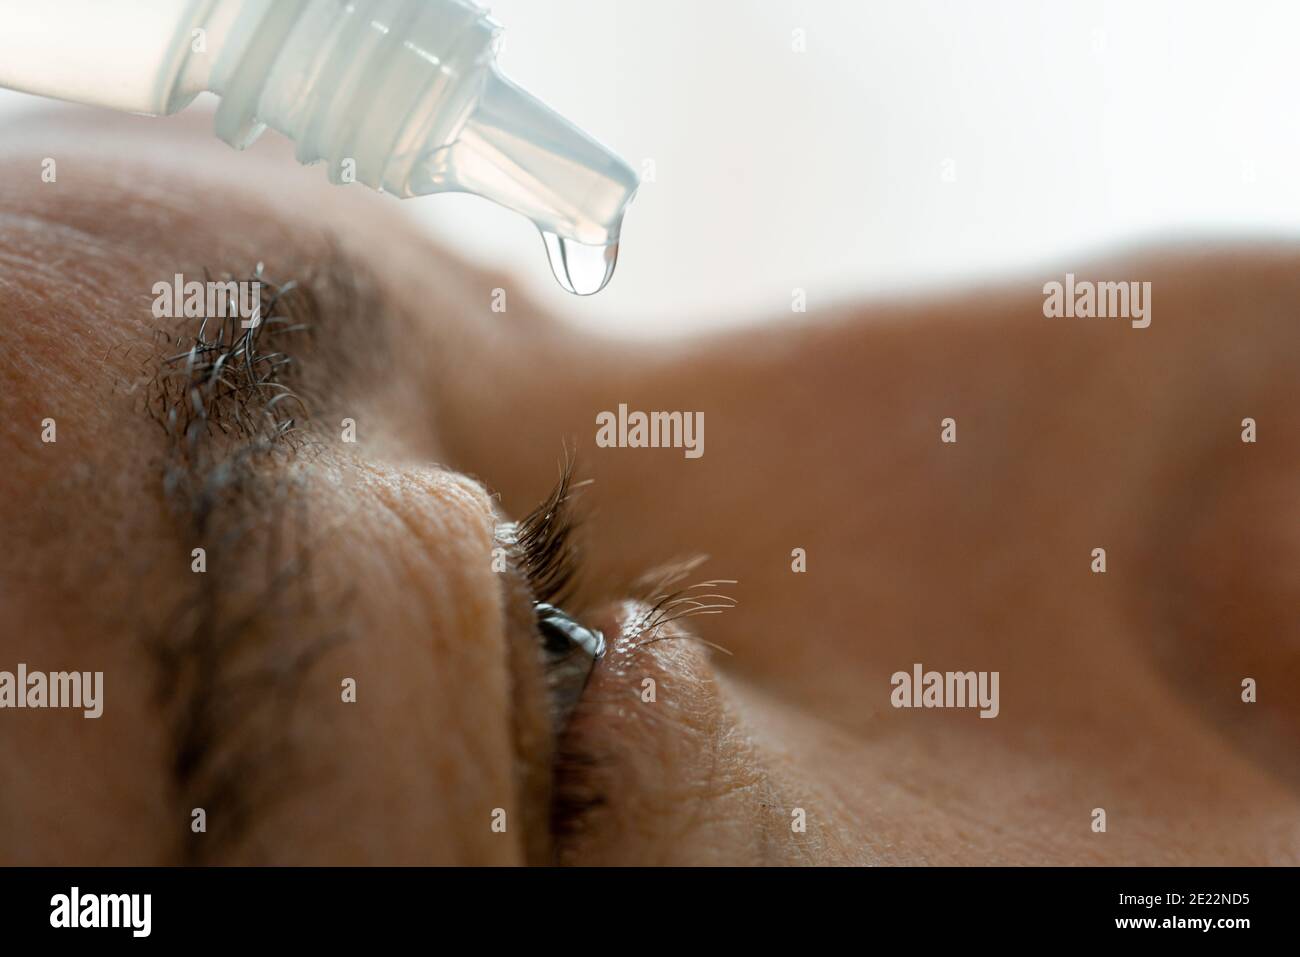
(361, 85)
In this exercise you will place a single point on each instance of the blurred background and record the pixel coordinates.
(852, 147)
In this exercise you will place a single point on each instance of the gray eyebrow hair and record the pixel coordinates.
(230, 661)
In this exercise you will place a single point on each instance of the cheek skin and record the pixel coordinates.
(411, 772)
(681, 778)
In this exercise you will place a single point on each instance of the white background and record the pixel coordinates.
(1068, 127)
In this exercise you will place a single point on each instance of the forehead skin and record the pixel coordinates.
(95, 556)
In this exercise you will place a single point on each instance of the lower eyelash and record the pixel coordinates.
(669, 601)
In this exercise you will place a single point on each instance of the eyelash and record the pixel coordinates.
(547, 553)
(546, 545)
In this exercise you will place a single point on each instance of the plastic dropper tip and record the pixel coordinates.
(516, 151)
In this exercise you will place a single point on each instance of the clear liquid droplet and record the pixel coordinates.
(581, 268)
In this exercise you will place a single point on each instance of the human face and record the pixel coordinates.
(358, 674)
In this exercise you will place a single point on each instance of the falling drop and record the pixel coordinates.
(581, 268)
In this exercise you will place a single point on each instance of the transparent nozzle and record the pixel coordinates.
(516, 151)
(404, 96)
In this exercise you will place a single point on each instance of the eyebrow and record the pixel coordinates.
(234, 403)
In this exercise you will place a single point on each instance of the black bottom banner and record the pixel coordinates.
(304, 906)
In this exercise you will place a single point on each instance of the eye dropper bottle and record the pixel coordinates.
(402, 95)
